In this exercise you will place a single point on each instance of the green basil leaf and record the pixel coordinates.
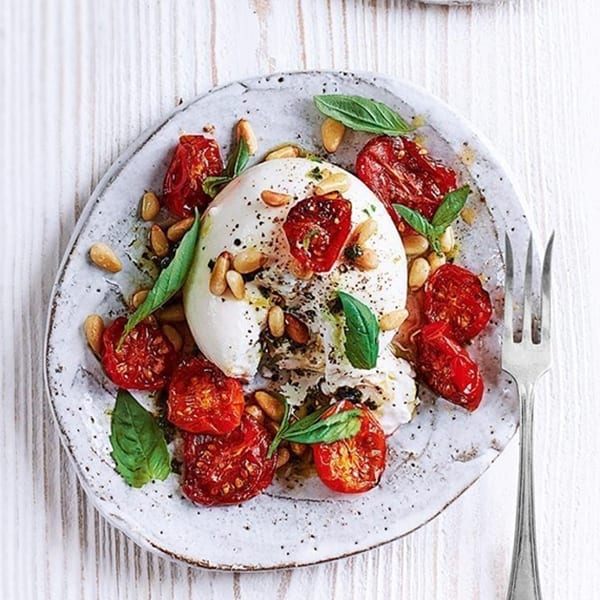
(138, 443)
(238, 160)
(214, 184)
(361, 114)
(362, 332)
(336, 427)
(450, 208)
(421, 225)
(170, 280)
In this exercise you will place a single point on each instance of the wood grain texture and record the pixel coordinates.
(82, 79)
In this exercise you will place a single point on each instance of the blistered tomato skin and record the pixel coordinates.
(196, 158)
(317, 229)
(455, 296)
(144, 361)
(204, 400)
(447, 368)
(401, 172)
(356, 464)
(227, 469)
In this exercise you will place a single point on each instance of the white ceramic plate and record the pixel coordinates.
(431, 461)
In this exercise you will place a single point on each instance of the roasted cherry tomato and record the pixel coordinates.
(447, 368)
(400, 172)
(195, 158)
(317, 229)
(355, 464)
(455, 296)
(144, 361)
(230, 468)
(204, 400)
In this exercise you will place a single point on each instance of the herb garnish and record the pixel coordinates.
(448, 210)
(361, 114)
(314, 430)
(169, 282)
(235, 165)
(138, 443)
(362, 332)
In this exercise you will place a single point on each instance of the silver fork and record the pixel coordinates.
(526, 358)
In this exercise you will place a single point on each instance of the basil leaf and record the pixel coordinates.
(235, 165)
(362, 332)
(362, 114)
(170, 280)
(138, 444)
(450, 208)
(420, 224)
(336, 427)
(214, 184)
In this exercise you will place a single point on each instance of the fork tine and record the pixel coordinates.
(508, 288)
(546, 307)
(527, 323)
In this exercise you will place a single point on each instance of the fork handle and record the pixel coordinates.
(524, 578)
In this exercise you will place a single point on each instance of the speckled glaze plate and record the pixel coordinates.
(432, 460)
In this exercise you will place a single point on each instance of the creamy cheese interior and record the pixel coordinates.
(228, 331)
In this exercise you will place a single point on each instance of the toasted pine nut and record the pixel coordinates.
(248, 261)
(270, 405)
(276, 321)
(368, 260)
(447, 239)
(218, 283)
(271, 426)
(149, 207)
(105, 257)
(435, 261)
(283, 152)
(296, 330)
(414, 245)
(244, 131)
(138, 298)
(283, 456)
(94, 328)
(179, 229)
(271, 198)
(300, 271)
(173, 336)
(171, 314)
(236, 284)
(468, 214)
(392, 320)
(297, 449)
(159, 241)
(332, 132)
(254, 411)
(364, 231)
(189, 344)
(337, 182)
(419, 272)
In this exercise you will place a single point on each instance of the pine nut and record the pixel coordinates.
(254, 411)
(179, 229)
(392, 320)
(105, 257)
(447, 240)
(418, 274)
(236, 284)
(218, 283)
(158, 241)
(150, 206)
(173, 336)
(296, 330)
(283, 152)
(271, 198)
(468, 215)
(244, 131)
(332, 132)
(271, 426)
(368, 260)
(138, 298)
(248, 261)
(300, 271)
(171, 314)
(94, 328)
(189, 344)
(415, 245)
(283, 456)
(338, 182)
(436, 260)
(276, 321)
(297, 449)
(270, 405)
(364, 231)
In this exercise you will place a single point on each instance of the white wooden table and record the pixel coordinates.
(81, 79)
